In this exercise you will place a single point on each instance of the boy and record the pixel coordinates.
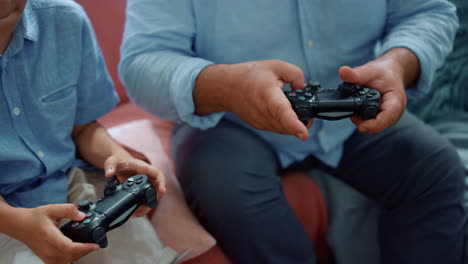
(54, 85)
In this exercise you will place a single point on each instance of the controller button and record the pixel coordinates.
(75, 224)
(373, 92)
(130, 180)
(315, 85)
(369, 95)
(130, 183)
(292, 94)
(87, 221)
(139, 181)
(303, 112)
(84, 205)
(138, 177)
(361, 92)
(366, 89)
(302, 98)
(346, 87)
(308, 94)
(89, 214)
(370, 112)
(299, 91)
(111, 187)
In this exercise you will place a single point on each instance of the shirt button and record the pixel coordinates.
(310, 43)
(40, 154)
(16, 111)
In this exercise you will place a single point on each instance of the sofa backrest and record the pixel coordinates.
(108, 19)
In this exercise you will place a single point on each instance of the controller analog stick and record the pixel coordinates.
(370, 112)
(111, 187)
(84, 205)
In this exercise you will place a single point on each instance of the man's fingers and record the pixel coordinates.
(289, 73)
(60, 211)
(291, 124)
(391, 111)
(359, 75)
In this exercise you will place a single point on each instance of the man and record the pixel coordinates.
(220, 66)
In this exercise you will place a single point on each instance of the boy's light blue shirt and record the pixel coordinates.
(53, 77)
(168, 43)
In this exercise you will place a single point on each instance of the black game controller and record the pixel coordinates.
(346, 101)
(113, 210)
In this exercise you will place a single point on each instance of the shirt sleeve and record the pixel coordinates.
(427, 28)
(95, 90)
(158, 65)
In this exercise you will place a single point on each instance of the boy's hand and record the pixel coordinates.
(124, 166)
(37, 228)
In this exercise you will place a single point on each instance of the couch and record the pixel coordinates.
(150, 136)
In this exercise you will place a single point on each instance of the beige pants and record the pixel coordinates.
(134, 242)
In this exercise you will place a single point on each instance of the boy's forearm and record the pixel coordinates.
(95, 145)
(8, 218)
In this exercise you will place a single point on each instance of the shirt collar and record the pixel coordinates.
(27, 28)
(29, 24)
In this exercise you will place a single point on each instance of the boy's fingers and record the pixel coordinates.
(109, 166)
(59, 211)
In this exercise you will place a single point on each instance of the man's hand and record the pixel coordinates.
(124, 166)
(388, 74)
(253, 91)
(37, 229)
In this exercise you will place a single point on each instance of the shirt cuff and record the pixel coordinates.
(181, 92)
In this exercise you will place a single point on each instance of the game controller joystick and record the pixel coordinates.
(333, 104)
(113, 210)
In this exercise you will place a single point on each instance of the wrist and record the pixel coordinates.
(404, 64)
(214, 88)
(10, 220)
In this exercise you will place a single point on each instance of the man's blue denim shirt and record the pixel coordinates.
(53, 77)
(168, 43)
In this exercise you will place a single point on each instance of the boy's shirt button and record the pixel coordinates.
(16, 111)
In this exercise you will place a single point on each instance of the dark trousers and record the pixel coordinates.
(231, 179)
